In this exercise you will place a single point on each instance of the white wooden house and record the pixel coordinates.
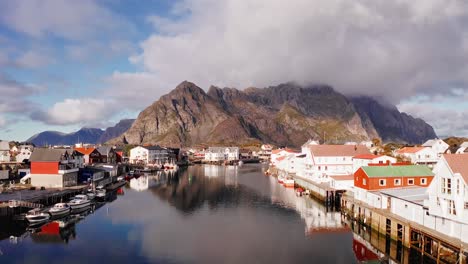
(149, 155)
(222, 153)
(4, 151)
(366, 159)
(419, 155)
(24, 153)
(437, 145)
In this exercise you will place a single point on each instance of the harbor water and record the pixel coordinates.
(202, 214)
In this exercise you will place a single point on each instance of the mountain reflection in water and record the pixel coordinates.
(203, 214)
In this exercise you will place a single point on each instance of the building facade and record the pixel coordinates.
(221, 154)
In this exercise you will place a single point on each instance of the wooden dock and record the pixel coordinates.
(430, 243)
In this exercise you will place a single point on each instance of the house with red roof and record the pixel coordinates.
(322, 161)
(91, 155)
(419, 155)
(448, 195)
(278, 153)
(366, 159)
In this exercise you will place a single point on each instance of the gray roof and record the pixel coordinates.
(222, 149)
(43, 154)
(153, 148)
(411, 194)
(4, 145)
(104, 150)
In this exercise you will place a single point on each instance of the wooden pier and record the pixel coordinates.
(430, 243)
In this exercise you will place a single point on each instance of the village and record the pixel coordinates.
(415, 195)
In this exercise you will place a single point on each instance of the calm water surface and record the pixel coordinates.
(203, 214)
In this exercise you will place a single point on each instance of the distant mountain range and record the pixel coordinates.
(287, 114)
(84, 135)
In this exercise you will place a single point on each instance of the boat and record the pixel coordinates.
(79, 201)
(299, 191)
(280, 179)
(288, 183)
(91, 195)
(241, 163)
(100, 193)
(37, 216)
(59, 209)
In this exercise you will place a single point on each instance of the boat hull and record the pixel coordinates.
(80, 205)
(57, 213)
(37, 219)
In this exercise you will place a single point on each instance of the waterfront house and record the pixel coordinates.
(342, 182)
(24, 153)
(380, 177)
(366, 159)
(214, 154)
(149, 155)
(463, 148)
(5, 151)
(325, 160)
(108, 154)
(437, 145)
(90, 154)
(448, 195)
(265, 152)
(55, 167)
(278, 153)
(419, 155)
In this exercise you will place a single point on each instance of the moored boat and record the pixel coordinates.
(288, 183)
(37, 216)
(299, 191)
(59, 209)
(79, 201)
(91, 195)
(100, 193)
(280, 179)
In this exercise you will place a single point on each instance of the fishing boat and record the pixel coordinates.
(91, 195)
(100, 193)
(288, 183)
(37, 216)
(59, 210)
(299, 191)
(79, 201)
(280, 179)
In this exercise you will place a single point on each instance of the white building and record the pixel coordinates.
(265, 152)
(437, 145)
(278, 153)
(149, 155)
(419, 155)
(24, 153)
(4, 151)
(448, 195)
(366, 159)
(325, 160)
(222, 153)
(463, 148)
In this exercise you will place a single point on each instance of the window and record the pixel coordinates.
(344, 158)
(363, 181)
(410, 181)
(326, 167)
(442, 187)
(423, 181)
(466, 205)
(397, 182)
(382, 182)
(438, 201)
(449, 186)
(458, 186)
(452, 207)
(319, 168)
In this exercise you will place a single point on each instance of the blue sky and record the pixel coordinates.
(68, 64)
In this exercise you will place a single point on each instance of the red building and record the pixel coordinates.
(387, 177)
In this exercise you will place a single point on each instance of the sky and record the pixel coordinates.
(70, 64)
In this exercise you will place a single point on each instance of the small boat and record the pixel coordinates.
(60, 209)
(241, 163)
(36, 216)
(100, 193)
(280, 179)
(79, 201)
(288, 183)
(91, 195)
(299, 191)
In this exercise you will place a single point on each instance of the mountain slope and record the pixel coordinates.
(286, 114)
(86, 135)
(117, 130)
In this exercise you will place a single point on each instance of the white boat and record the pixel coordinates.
(91, 195)
(288, 183)
(36, 216)
(79, 201)
(100, 193)
(60, 209)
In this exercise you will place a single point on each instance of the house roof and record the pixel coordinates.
(411, 194)
(458, 163)
(85, 150)
(104, 150)
(153, 147)
(409, 150)
(342, 177)
(429, 143)
(338, 150)
(281, 158)
(276, 151)
(367, 156)
(397, 171)
(42, 154)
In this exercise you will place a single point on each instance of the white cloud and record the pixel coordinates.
(67, 19)
(77, 111)
(34, 59)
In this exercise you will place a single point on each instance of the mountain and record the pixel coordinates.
(87, 135)
(115, 131)
(287, 114)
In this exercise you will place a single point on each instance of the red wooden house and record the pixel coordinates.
(387, 177)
